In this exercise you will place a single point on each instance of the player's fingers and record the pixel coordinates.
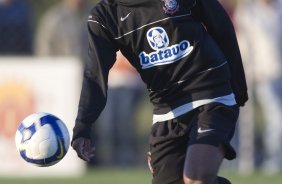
(86, 154)
(79, 146)
(90, 155)
(89, 149)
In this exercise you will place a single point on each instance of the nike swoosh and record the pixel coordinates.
(203, 131)
(124, 18)
(61, 155)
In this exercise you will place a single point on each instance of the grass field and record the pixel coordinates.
(135, 176)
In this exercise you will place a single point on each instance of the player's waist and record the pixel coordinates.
(228, 100)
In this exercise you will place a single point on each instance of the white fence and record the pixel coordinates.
(29, 85)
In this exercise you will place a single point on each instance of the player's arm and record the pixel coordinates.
(101, 57)
(220, 27)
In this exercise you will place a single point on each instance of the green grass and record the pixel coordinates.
(134, 176)
(94, 176)
(256, 178)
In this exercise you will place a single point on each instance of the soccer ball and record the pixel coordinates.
(42, 139)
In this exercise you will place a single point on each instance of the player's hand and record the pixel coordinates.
(83, 148)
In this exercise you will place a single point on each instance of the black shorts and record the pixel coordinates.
(212, 124)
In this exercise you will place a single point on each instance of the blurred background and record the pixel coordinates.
(43, 44)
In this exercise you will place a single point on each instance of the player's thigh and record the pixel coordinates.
(168, 145)
(202, 162)
(209, 141)
(215, 126)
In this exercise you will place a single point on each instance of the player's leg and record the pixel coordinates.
(202, 164)
(209, 143)
(168, 146)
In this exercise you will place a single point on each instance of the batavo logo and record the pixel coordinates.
(163, 54)
(16, 102)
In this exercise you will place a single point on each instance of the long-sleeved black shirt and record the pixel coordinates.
(186, 52)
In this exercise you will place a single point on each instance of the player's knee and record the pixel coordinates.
(203, 178)
(191, 181)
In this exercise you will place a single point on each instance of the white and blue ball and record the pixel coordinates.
(42, 139)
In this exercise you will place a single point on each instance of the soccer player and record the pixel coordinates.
(187, 54)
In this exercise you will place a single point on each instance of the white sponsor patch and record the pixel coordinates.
(163, 54)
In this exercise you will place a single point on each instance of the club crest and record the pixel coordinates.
(170, 6)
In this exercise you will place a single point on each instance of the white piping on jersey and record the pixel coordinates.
(179, 82)
(228, 100)
(179, 16)
(97, 23)
(209, 69)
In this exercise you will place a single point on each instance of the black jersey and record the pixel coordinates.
(186, 51)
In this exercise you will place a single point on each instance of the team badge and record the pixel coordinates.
(163, 53)
(170, 6)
